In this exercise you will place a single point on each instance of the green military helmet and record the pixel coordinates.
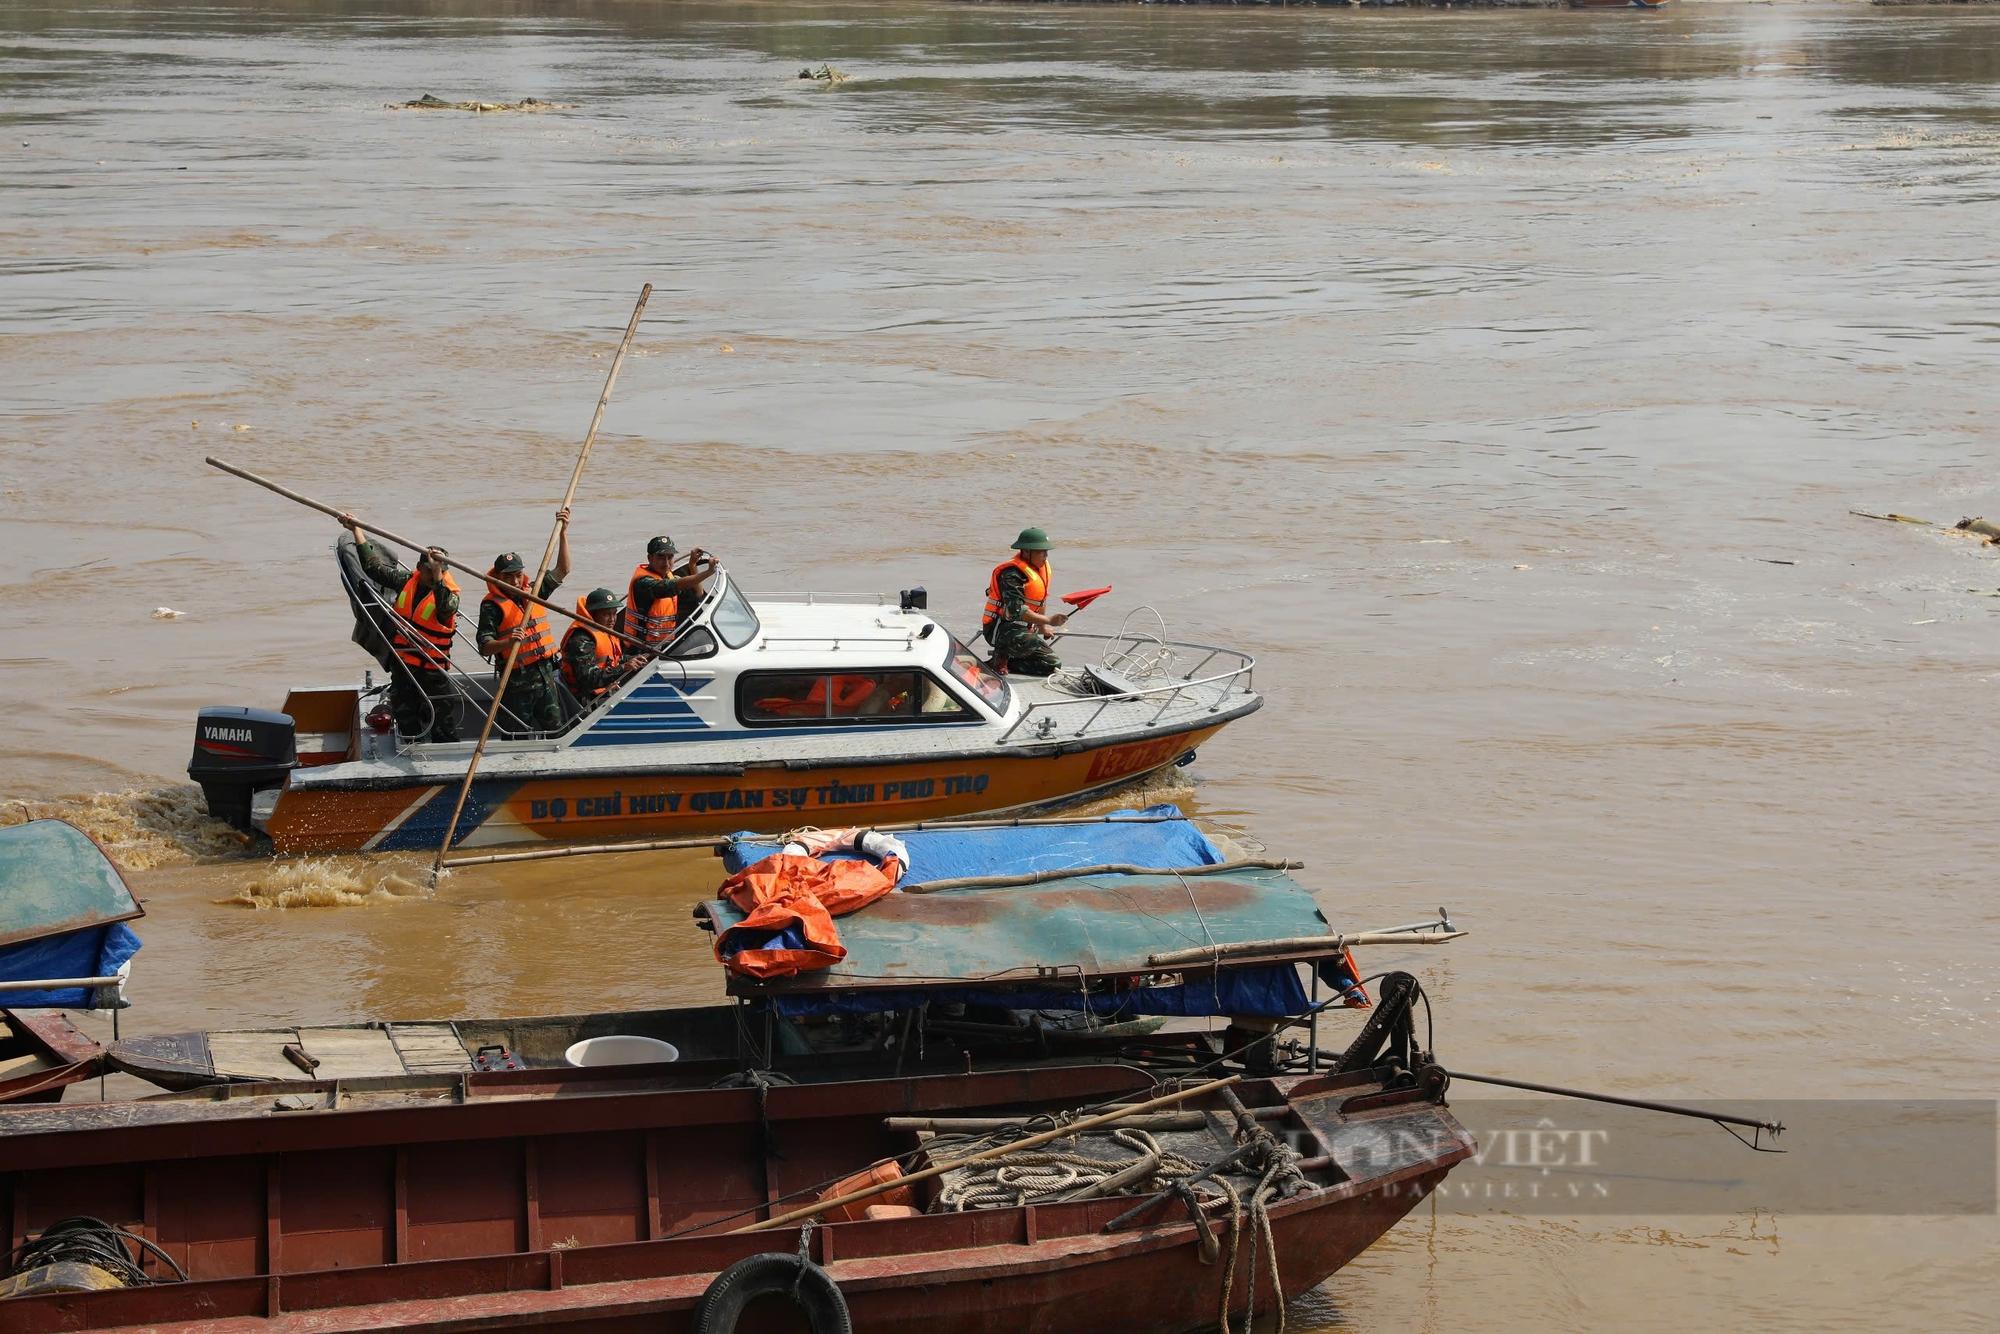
(661, 546)
(1033, 539)
(508, 562)
(600, 599)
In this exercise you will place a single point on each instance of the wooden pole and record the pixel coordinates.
(535, 584)
(1108, 868)
(411, 543)
(724, 840)
(1033, 1141)
(1209, 953)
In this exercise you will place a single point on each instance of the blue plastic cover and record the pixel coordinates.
(947, 854)
(96, 951)
(1270, 991)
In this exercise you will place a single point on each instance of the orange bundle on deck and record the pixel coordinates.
(790, 902)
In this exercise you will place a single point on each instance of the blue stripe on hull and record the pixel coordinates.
(426, 827)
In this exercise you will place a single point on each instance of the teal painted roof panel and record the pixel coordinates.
(1091, 926)
(54, 879)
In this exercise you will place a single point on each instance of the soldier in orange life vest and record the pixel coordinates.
(652, 600)
(593, 662)
(1016, 622)
(533, 701)
(420, 691)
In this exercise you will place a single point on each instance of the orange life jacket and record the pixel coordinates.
(537, 644)
(421, 639)
(607, 650)
(653, 621)
(788, 891)
(1037, 590)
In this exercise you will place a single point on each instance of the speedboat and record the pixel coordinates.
(765, 712)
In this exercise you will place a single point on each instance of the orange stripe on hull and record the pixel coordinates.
(770, 799)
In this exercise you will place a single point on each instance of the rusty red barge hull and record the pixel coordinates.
(567, 1201)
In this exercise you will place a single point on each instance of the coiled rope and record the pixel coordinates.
(1038, 1175)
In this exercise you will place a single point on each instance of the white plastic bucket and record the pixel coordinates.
(621, 1049)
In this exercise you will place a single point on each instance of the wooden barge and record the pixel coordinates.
(463, 1175)
(572, 1200)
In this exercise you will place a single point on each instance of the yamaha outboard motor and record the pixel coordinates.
(238, 753)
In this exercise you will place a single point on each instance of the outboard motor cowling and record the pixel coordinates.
(239, 752)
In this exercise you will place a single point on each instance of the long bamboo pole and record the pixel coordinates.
(411, 543)
(724, 840)
(1107, 868)
(548, 555)
(1294, 944)
(1032, 1141)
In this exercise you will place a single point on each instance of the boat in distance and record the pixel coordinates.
(765, 712)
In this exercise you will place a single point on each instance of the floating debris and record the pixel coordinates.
(167, 614)
(1894, 518)
(1979, 528)
(429, 103)
(825, 74)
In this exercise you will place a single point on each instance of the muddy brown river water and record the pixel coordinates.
(1502, 380)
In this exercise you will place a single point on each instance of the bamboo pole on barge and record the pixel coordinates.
(1031, 1142)
(1106, 868)
(1238, 949)
(548, 555)
(724, 840)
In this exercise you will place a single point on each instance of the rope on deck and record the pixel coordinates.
(1046, 1175)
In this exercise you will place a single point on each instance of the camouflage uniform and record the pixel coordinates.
(581, 650)
(533, 700)
(422, 699)
(1021, 644)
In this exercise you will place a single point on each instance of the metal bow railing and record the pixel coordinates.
(1199, 684)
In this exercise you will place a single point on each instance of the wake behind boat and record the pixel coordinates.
(765, 712)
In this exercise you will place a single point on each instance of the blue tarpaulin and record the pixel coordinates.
(95, 951)
(1269, 991)
(947, 854)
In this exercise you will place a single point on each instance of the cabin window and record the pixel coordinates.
(988, 685)
(733, 619)
(806, 699)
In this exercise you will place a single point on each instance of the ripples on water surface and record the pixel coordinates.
(1475, 370)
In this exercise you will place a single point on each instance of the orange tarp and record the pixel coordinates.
(787, 891)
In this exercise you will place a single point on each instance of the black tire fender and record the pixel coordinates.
(787, 1276)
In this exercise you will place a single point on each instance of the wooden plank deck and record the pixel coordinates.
(253, 1053)
(429, 1049)
(350, 1053)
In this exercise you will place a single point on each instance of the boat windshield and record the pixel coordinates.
(989, 686)
(733, 620)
